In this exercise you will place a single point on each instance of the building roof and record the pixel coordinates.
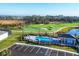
(65, 35)
(2, 32)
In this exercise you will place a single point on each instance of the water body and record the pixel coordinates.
(74, 32)
(47, 39)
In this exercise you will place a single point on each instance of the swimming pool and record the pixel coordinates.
(43, 39)
(47, 40)
(51, 40)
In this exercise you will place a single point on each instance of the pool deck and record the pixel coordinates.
(30, 37)
(34, 38)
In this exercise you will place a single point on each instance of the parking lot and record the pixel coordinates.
(26, 50)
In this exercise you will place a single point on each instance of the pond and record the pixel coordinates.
(73, 32)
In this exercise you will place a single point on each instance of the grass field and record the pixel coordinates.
(47, 27)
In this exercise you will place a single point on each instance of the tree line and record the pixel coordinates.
(37, 19)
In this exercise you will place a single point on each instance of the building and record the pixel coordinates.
(3, 35)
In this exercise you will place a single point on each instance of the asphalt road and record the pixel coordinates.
(25, 50)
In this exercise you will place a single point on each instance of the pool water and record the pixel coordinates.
(74, 32)
(67, 41)
(43, 39)
(47, 40)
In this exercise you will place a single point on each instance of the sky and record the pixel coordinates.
(22, 9)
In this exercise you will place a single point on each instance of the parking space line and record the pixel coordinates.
(38, 50)
(46, 52)
(15, 47)
(64, 53)
(50, 53)
(72, 54)
(41, 51)
(57, 53)
(26, 48)
(32, 49)
(20, 48)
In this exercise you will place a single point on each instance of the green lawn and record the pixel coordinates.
(47, 27)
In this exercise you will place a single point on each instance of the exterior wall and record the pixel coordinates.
(3, 36)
